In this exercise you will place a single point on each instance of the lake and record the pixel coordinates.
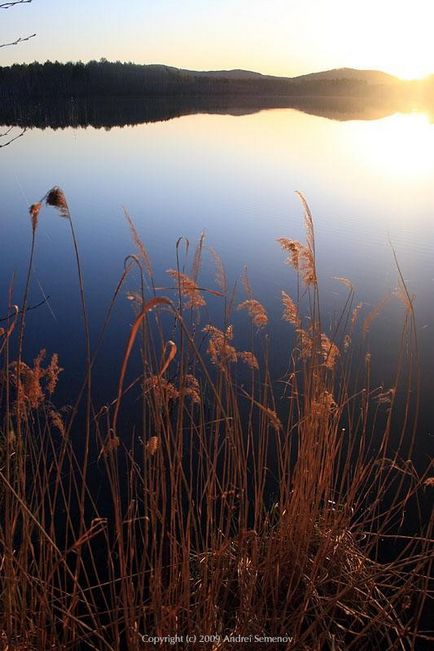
(232, 174)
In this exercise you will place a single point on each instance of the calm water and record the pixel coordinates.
(369, 184)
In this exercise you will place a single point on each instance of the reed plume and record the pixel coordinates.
(249, 359)
(256, 312)
(188, 289)
(139, 244)
(56, 198)
(329, 351)
(152, 445)
(34, 384)
(290, 310)
(34, 210)
(220, 349)
(301, 258)
(220, 274)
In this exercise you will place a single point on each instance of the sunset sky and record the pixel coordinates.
(281, 37)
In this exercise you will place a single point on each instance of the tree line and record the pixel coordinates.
(103, 78)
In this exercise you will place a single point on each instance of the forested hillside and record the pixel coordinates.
(103, 78)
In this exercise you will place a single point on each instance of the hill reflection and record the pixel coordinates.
(118, 112)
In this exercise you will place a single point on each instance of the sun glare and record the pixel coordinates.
(399, 147)
(411, 67)
(391, 36)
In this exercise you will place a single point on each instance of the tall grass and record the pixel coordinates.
(228, 504)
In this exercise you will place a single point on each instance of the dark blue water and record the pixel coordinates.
(369, 185)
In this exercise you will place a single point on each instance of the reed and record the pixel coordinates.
(231, 508)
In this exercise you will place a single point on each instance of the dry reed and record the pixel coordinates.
(226, 509)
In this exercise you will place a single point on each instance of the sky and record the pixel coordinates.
(280, 37)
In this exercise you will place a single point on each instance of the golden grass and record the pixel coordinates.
(229, 508)
(256, 312)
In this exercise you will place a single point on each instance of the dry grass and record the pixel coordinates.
(227, 510)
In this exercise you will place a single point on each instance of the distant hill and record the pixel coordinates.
(164, 70)
(349, 74)
(353, 74)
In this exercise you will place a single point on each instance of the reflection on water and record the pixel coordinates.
(233, 174)
(107, 113)
(399, 148)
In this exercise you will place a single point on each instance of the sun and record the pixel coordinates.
(393, 36)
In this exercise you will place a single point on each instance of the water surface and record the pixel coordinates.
(368, 182)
